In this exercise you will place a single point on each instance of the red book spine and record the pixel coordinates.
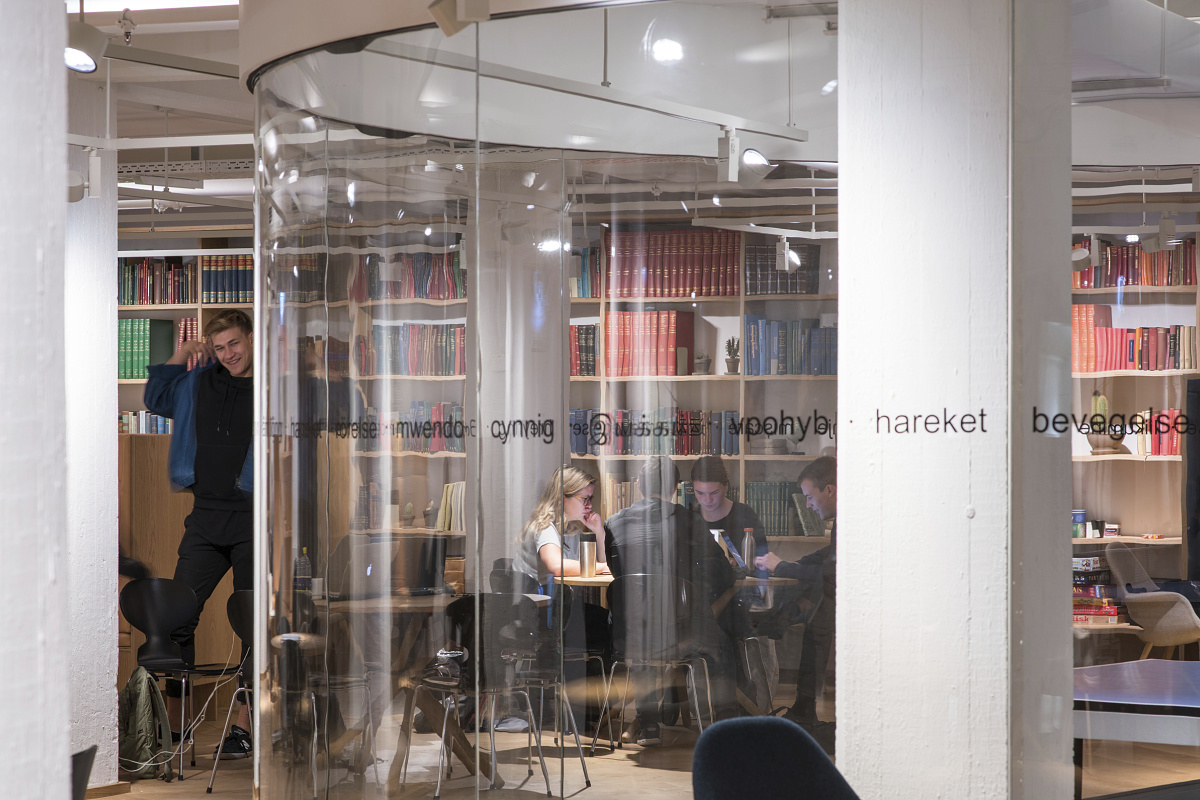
(707, 284)
(573, 337)
(672, 321)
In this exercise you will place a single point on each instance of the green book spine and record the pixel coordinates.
(120, 349)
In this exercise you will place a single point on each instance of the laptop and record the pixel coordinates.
(360, 568)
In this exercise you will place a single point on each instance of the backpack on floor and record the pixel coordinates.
(143, 735)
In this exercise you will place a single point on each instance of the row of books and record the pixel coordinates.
(227, 279)
(429, 349)
(452, 514)
(771, 500)
(763, 278)
(429, 427)
(188, 330)
(301, 278)
(1096, 346)
(142, 422)
(789, 347)
(695, 262)
(1129, 265)
(583, 349)
(1093, 597)
(616, 494)
(587, 279)
(140, 343)
(664, 431)
(649, 343)
(1159, 435)
(156, 281)
(424, 276)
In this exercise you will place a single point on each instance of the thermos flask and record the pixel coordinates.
(748, 550)
(587, 555)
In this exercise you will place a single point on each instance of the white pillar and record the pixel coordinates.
(90, 313)
(34, 741)
(953, 621)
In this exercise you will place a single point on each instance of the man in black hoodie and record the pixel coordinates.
(218, 534)
(657, 537)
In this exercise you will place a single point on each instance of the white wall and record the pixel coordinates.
(935, 556)
(34, 743)
(89, 303)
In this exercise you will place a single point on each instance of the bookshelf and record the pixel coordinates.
(130, 390)
(1136, 487)
(716, 318)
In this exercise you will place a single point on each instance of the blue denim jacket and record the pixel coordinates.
(171, 392)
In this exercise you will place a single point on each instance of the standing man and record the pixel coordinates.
(657, 537)
(817, 571)
(211, 456)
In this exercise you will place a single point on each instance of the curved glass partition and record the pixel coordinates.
(550, 336)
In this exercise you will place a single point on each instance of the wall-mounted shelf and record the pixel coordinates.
(1124, 457)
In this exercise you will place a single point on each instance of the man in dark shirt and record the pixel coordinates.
(657, 537)
(218, 534)
(816, 572)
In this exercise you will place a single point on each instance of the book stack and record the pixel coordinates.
(771, 500)
(227, 279)
(140, 343)
(768, 446)
(452, 511)
(412, 349)
(617, 495)
(649, 343)
(423, 276)
(793, 347)
(664, 431)
(1093, 599)
(188, 331)
(301, 278)
(1129, 265)
(142, 422)
(155, 281)
(429, 427)
(587, 273)
(1096, 346)
(689, 263)
(1158, 433)
(583, 349)
(763, 278)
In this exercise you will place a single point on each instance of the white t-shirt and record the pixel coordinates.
(528, 559)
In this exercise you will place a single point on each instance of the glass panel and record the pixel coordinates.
(548, 312)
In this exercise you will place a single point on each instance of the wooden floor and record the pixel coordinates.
(665, 771)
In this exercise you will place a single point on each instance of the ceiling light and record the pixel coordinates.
(685, 208)
(666, 50)
(753, 169)
(786, 259)
(1131, 237)
(428, 230)
(85, 47)
(529, 207)
(1151, 243)
(716, 201)
(727, 158)
(830, 87)
(1166, 227)
(454, 15)
(350, 192)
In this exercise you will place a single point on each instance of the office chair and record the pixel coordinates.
(240, 610)
(763, 757)
(157, 607)
(1167, 620)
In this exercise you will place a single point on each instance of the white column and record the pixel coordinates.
(90, 312)
(953, 622)
(34, 742)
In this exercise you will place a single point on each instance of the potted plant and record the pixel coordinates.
(733, 360)
(701, 364)
(407, 518)
(1098, 438)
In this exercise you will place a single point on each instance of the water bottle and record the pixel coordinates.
(302, 606)
(748, 549)
(302, 572)
(587, 555)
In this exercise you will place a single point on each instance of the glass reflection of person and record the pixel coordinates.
(542, 549)
(817, 571)
(710, 482)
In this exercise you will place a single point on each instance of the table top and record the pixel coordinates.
(575, 580)
(1152, 682)
(743, 583)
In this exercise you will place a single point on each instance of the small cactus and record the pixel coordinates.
(731, 347)
(1099, 404)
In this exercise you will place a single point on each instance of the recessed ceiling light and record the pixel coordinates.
(428, 230)
(666, 50)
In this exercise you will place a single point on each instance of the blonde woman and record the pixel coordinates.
(542, 549)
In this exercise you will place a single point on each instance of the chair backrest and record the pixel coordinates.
(240, 610)
(1167, 618)
(156, 607)
(763, 757)
(81, 771)
(652, 616)
(1127, 571)
(510, 625)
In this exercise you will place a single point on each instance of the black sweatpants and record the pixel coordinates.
(213, 541)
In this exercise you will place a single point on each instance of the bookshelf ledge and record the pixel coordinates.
(1106, 627)
(406, 454)
(1170, 540)
(1137, 373)
(130, 381)
(791, 377)
(1137, 289)
(1125, 457)
(409, 377)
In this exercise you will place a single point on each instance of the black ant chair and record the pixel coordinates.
(157, 607)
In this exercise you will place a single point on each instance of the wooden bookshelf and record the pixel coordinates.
(1166, 541)
(1125, 457)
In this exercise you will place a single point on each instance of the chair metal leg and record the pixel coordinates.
(537, 737)
(606, 709)
(492, 735)
(712, 717)
(410, 711)
(224, 731)
(312, 698)
(370, 731)
(183, 732)
(442, 759)
(694, 692)
(191, 705)
(570, 718)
